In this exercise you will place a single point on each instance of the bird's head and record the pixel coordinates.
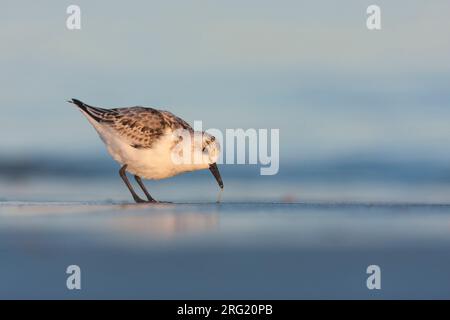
(198, 150)
(209, 149)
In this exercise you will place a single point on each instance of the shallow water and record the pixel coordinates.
(228, 250)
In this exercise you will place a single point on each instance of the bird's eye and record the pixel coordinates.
(204, 149)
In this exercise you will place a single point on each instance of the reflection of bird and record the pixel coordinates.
(145, 140)
(167, 225)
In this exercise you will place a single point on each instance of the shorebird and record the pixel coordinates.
(144, 140)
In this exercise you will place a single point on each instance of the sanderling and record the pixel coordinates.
(143, 139)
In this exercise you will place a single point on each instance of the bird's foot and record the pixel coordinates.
(151, 200)
(139, 200)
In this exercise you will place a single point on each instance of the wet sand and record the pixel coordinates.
(225, 251)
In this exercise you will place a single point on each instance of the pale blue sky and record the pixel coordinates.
(309, 68)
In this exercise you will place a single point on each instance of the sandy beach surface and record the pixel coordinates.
(333, 121)
(232, 250)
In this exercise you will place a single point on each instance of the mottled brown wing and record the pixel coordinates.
(175, 122)
(141, 127)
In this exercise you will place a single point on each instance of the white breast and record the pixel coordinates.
(155, 163)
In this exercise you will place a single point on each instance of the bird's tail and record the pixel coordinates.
(98, 114)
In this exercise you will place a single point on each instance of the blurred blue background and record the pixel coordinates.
(354, 107)
(364, 159)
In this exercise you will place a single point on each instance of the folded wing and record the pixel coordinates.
(141, 127)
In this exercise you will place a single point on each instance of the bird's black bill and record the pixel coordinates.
(215, 171)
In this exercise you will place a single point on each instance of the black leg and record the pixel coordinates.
(123, 175)
(141, 184)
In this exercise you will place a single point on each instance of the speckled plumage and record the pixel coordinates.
(141, 127)
(145, 142)
(144, 139)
